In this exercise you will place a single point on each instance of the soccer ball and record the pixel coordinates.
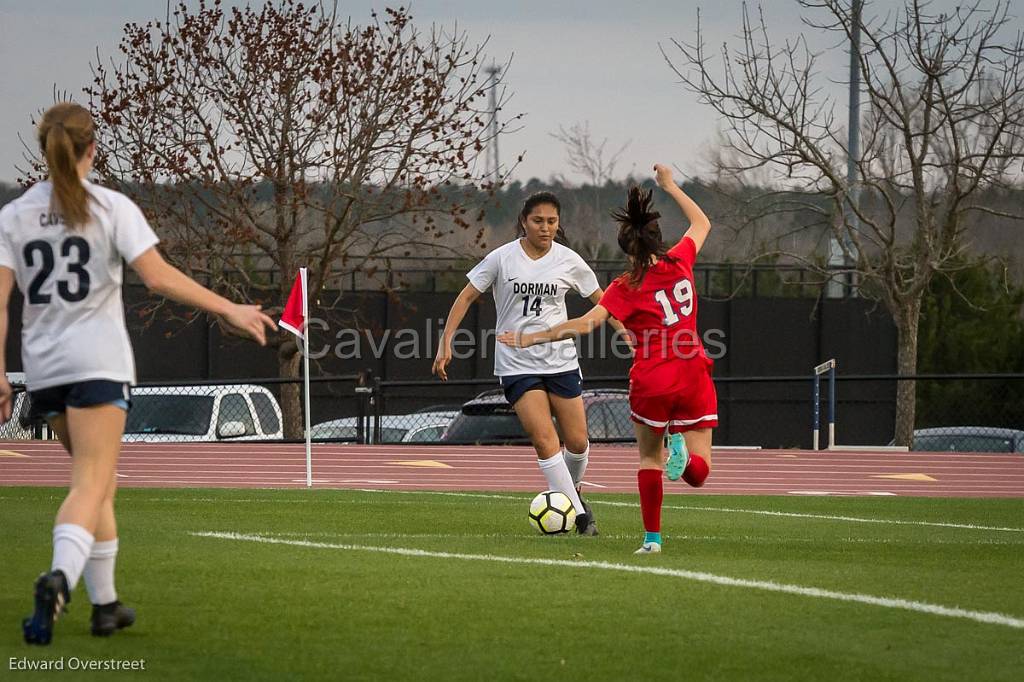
(551, 512)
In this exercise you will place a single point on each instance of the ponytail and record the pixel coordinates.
(640, 234)
(65, 134)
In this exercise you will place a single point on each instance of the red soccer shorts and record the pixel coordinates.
(694, 407)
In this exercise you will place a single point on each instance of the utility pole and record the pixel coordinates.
(493, 162)
(837, 255)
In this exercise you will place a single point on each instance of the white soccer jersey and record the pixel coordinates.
(73, 325)
(529, 295)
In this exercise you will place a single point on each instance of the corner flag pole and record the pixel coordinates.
(305, 374)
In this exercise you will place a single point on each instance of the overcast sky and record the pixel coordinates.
(595, 61)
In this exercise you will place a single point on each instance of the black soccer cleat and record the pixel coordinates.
(585, 522)
(109, 618)
(52, 597)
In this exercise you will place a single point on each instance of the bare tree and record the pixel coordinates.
(266, 139)
(944, 123)
(587, 157)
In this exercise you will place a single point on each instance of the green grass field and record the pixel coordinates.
(341, 608)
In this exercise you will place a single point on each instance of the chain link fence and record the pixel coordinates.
(954, 412)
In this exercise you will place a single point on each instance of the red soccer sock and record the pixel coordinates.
(649, 482)
(697, 471)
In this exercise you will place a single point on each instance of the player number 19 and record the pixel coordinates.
(683, 294)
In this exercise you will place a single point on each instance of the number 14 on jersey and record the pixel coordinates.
(529, 307)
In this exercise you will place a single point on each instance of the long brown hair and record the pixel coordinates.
(640, 234)
(65, 134)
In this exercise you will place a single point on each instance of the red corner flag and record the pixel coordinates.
(294, 316)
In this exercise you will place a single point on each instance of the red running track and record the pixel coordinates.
(612, 469)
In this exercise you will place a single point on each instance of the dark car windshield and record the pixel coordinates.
(187, 415)
(485, 428)
(350, 434)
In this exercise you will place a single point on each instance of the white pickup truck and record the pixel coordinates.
(161, 414)
(202, 413)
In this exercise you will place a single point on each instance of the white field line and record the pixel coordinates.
(746, 539)
(698, 576)
(827, 517)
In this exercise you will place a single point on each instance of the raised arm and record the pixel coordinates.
(455, 316)
(699, 223)
(566, 330)
(164, 279)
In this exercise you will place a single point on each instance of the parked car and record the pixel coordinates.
(203, 413)
(968, 439)
(488, 418)
(421, 427)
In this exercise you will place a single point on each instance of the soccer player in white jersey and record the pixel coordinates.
(530, 278)
(64, 241)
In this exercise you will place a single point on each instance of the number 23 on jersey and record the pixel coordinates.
(74, 252)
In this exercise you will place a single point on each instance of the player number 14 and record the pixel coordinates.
(529, 307)
(682, 292)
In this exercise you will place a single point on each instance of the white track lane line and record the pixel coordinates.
(698, 576)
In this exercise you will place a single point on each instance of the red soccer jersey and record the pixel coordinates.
(662, 314)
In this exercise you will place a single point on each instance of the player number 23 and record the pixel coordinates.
(682, 292)
(74, 253)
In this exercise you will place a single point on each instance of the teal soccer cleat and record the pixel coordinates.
(678, 457)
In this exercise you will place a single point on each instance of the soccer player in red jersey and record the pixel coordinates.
(670, 386)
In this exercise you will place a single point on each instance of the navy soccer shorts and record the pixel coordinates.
(49, 402)
(564, 384)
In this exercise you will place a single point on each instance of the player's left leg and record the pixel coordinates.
(572, 422)
(534, 412)
(59, 425)
(108, 613)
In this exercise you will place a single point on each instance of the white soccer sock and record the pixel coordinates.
(99, 573)
(577, 464)
(72, 545)
(557, 475)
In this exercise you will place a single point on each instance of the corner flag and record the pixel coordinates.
(294, 319)
(294, 316)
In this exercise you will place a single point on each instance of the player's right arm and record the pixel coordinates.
(566, 330)
(6, 285)
(700, 226)
(455, 316)
(162, 278)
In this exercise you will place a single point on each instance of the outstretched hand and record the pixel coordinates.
(515, 339)
(248, 321)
